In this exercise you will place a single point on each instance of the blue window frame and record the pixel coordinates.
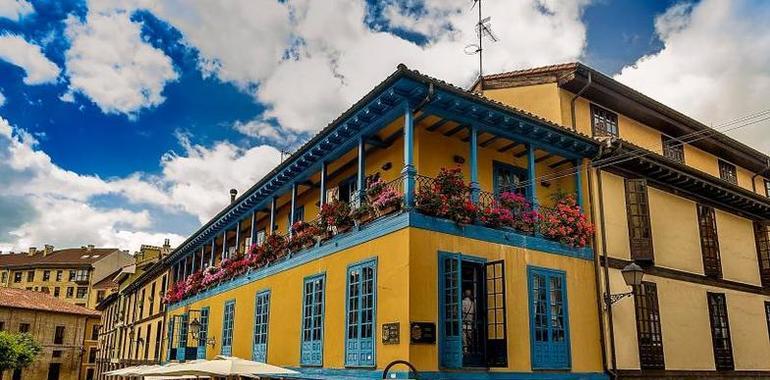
(506, 177)
(549, 320)
(182, 339)
(227, 328)
(312, 321)
(450, 327)
(261, 317)
(171, 350)
(203, 335)
(361, 298)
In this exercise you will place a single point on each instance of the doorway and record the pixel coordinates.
(472, 312)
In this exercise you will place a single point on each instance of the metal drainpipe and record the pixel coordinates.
(611, 325)
(761, 172)
(597, 271)
(574, 99)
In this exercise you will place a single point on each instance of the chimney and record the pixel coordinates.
(233, 193)
(90, 248)
(32, 251)
(47, 250)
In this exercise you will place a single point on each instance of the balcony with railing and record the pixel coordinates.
(469, 167)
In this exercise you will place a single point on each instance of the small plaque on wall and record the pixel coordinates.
(422, 333)
(391, 333)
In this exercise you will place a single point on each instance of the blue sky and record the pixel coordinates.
(146, 112)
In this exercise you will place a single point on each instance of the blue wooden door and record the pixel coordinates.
(204, 333)
(549, 324)
(312, 322)
(182, 340)
(261, 317)
(171, 339)
(359, 338)
(450, 311)
(227, 328)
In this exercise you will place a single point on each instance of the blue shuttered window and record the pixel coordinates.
(203, 335)
(359, 338)
(450, 350)
(312, 321)
(261, 316)
(549, 323)
(227, 328)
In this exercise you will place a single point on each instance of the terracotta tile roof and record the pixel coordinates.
(62, 257)
(534, 70)
(108, 282)
(26, 299)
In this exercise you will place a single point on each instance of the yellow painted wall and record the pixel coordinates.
(615, 215)
(737, 248)
(686, 328)
(676, 237)
(583, 318)
(541, 100)
(286, 305)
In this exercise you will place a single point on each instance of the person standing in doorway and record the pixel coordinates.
(469, 320)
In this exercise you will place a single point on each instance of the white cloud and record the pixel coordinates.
(201, 178)
(110, 63)
(714, 66)
(56, 206)
(341, 57)
(37, 68)
(2, 99)
(309, 60)
(15, 9)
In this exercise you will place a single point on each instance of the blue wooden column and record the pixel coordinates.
(322, 196)
(224, 244)
(203, 255)
(293, 205)
(192, 263)
(272, 216)
(237, 236)
(253, 231)
(579, 183)
(531, 180)
(213, 250)
(408, 172)
(361, 174)
(474, 153)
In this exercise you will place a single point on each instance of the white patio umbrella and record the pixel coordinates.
(130, 371)
(221, 366)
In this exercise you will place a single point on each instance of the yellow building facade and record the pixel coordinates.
(450, 298)
(688, 204)
(134, 316)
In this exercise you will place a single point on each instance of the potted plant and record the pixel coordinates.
(525, 219)
(496, 216)
(335, 217)
(387, 201)
(303, 236)
(274, 248)
(363, 213)
(566, 223)
(448, 197)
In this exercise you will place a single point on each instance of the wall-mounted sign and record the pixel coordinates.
(422, 333)
(391, 333)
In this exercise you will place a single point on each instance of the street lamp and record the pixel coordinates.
(632, 275)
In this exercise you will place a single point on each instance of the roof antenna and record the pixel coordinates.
(483, 30)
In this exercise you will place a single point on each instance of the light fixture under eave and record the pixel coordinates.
(632, 274)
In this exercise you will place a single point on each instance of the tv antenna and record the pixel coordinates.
(483, 31)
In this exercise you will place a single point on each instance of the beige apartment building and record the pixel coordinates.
(687, 203)
(59, 326)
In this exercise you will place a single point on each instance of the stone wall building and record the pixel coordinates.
(59, 327)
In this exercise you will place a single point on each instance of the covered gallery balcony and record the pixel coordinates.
(414, 152)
